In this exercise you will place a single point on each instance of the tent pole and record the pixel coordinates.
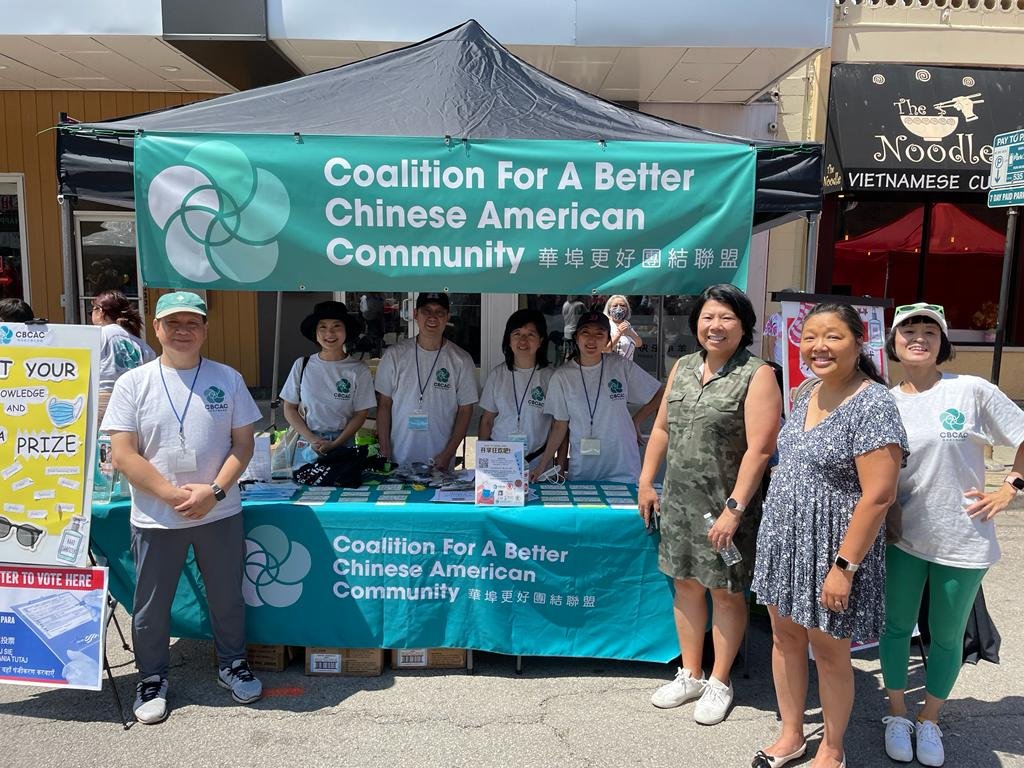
(67, 252)
(811, 270)
(275, 402)
(1004, 292)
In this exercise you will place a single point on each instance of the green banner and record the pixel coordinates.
(536, 580)
(253, 212)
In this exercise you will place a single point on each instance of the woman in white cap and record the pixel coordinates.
(947, 535)
(327, 395)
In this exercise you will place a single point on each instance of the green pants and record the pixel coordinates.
(951, 596)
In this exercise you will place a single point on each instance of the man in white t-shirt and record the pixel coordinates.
(426, 390)
(181, 433)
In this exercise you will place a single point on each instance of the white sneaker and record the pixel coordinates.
(929, 744)
(685, 687)
(897, 738)
(151, 700)
(714, 703)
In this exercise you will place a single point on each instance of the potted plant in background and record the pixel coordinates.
(985, 319)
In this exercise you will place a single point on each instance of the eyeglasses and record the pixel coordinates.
(920, 305)
(28, 535)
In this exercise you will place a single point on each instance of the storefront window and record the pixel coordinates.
(947, 253)
(107, 262)
(12, 255)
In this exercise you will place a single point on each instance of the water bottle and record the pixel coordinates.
(730, 555)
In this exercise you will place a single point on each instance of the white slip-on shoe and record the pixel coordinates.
(898, 731)
(763, 760)
(684, 687)
(929, 744)
(714, 703)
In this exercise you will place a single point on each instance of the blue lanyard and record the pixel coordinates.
(419, 380)
(597, 397)
(520, 400)
(184, 413)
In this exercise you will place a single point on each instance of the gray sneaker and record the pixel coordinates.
(239, 679)
(151, 700)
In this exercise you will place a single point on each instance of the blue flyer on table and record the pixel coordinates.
(51, 625)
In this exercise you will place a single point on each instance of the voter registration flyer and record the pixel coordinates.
(51, 626)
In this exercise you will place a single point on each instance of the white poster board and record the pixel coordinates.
(500, 474)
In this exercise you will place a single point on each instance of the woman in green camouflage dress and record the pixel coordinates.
(717, 424)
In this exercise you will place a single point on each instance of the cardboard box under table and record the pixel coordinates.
(428, 658)
(348, 662)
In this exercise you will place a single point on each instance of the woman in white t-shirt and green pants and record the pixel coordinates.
(948, 537)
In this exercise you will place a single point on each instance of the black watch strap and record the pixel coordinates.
(218, 492)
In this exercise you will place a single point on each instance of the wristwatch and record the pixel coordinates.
(1016, 482)
(218, 492)
(732, 504)
(845, 565)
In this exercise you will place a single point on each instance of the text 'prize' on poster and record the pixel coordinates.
(389, 213)
(501, 474)
(51, 626)
(44, 396)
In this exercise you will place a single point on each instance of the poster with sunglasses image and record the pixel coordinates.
(51, 626)
(48, 377)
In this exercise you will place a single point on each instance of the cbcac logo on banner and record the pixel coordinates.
(386, 213)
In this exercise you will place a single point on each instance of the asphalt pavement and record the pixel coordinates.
(569, 713)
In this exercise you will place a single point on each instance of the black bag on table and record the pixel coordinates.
(341, 467)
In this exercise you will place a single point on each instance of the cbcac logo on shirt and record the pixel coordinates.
(441, 379)
(537, 397)
(952, 426)
(615, 387)
(214, 397)
(343, 389)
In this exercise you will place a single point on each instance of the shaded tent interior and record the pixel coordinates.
(964, 254)
(461, 83)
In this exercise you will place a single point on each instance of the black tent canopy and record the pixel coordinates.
(461, 83)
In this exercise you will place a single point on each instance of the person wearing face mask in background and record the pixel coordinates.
(625, 340)
(512, 402)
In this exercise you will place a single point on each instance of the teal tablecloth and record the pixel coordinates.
(539, 580)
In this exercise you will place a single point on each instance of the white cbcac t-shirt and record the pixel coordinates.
(219, 403)
(948, 427)
(120, 352)
(530, 388)
(332, 390)
(448, 383)
(622, 382)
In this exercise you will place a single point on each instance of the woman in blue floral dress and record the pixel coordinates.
(820, 565)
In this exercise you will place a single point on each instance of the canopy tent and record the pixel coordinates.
(461, 83)
(964, 254)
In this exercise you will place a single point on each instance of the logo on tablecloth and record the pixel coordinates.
(274, 568)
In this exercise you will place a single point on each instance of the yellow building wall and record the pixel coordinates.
(28, 147)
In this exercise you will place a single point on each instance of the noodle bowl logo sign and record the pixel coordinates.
(220, 215)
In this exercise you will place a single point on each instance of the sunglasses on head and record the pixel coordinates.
(28, 535)
(921, 305)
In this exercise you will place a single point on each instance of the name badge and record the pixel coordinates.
(517, 437)
(590, 446)
(183, 460)
(417, 421)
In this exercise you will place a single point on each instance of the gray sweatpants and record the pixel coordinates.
(159, 556)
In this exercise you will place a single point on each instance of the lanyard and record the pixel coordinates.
(184, 413)
(592, 409)
(520, 400)
(419, 380)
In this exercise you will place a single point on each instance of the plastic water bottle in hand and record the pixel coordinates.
(730, 555)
